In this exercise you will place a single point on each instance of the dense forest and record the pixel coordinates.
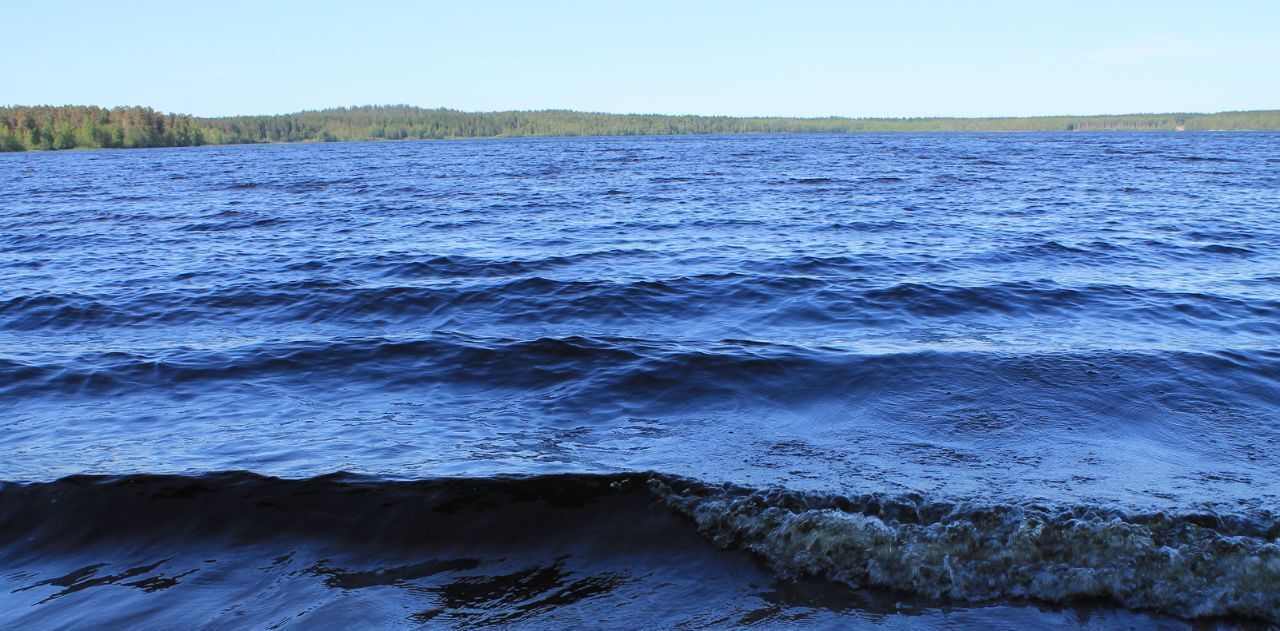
(71, 127)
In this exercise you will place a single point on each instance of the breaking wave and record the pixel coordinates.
(1191, 565)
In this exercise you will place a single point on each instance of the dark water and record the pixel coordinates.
(896, 380)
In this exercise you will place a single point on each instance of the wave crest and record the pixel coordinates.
(1188, 565)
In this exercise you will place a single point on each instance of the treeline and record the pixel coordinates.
(405, 122)
(70, 127)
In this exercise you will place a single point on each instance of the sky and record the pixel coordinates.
(744, 58)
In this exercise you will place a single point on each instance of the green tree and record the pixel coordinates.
(8, 141)
(64, 136)
(136, 136)
(88, 136)
(35, 139)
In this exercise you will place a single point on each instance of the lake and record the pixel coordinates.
(906, 380)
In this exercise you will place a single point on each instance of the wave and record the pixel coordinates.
(587, 368)
(247, 223)
(1218, 248)
(303, 185)
(42, 242)
(458, 358)
(1193, 564)
(809, 180)
(1194, 158)
(1189, 565)
(599, 367)
(84, 510)
(533, 299)
(455, 266)
(1097, 252)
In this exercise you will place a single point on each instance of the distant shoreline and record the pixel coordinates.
(273, 143)
(41, 128)
(619, 136)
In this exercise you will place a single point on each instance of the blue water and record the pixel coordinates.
(898, 380)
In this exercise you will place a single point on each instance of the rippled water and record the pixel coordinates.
(906, 380)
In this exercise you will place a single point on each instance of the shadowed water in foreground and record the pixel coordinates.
(239, 549)
(944, 380)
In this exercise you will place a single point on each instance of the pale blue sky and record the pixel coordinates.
(799, 58)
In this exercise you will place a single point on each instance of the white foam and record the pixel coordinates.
(972, 553)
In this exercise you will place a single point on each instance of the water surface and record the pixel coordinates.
(907, 380)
